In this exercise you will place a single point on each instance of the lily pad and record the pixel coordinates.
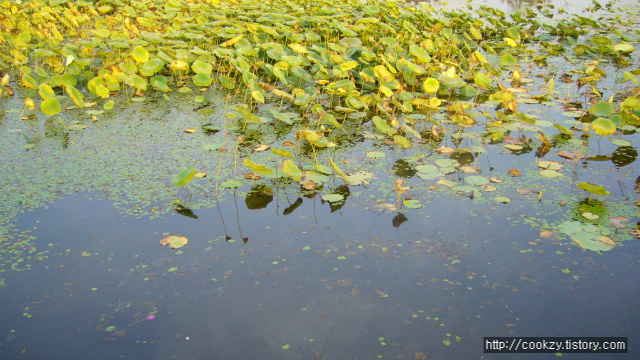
(476, 180)
(376, 154)
(550, 173)
(412, 204)
(332, 197)
(447, 163)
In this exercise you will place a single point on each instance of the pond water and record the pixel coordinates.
(275, 271)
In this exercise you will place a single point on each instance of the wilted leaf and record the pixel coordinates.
(261, 147)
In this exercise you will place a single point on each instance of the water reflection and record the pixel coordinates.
(504, 5)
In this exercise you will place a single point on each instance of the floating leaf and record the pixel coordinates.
(550, 173)
(332, 197)
(376, 154)
(262, 147)
(231, 184)
(476, 180)
(590, 216)
(412, 204)
(502, 199)
(384, 207)
(174, 241)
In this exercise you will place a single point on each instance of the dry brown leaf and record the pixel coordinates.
(355, 292)
(568, 155)
(262, 147)
(309, 185)
(514, 172)
(252, 176)
(433, 187)
(381, 293)
(190, 131)
(200, 174)
(617, 221)
(496, 180)
(346, 161)
(545, 234)
(288, 143)
(470, 169)
(444, 150)
(398, 186)
(523, 191)
(420, 356)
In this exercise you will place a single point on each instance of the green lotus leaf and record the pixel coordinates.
(184, 177)
(201, 67)
(593, 189)
(202, 80)
(50, 106)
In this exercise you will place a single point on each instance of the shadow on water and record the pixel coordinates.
(311, 281)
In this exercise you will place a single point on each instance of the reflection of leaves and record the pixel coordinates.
(259, 197)
(293, 207)
(624, 156)
(184, 211)
(398, 220)
(402, 168)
